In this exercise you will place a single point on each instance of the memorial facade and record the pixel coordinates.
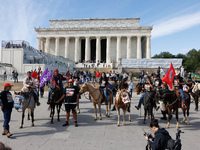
(97, 40)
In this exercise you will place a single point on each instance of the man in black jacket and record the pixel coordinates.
(7, 105)
(159, 142)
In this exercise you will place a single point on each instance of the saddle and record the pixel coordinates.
(186, 94)
(109, 91)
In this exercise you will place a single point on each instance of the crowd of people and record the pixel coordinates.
(112, 80)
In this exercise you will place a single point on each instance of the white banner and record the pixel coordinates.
(151, 63)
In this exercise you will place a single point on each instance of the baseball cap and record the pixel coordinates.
(71, 80)
(8, 84)
(56, 70)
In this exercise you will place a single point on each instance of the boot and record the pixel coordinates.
(4, 131)
(113, 109)
(38, 103)
(157, 108)
(137, 107)
(48, 102)
(8, 133)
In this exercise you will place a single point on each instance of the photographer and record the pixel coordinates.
(159, 142)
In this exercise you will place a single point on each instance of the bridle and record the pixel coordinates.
(83, 88)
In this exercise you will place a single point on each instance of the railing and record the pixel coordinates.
(34, 56)
(14, 44)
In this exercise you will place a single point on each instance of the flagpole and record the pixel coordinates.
(39, 70)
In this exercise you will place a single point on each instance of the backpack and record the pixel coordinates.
(174, 144)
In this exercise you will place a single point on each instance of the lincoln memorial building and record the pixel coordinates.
(96, 39)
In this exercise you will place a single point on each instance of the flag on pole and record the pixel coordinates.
(169, 77)
(46, 76)
(34, 74)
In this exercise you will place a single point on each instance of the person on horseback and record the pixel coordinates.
(56, 82)
(147, 87)
(157, 83)
(7, 105)
(30, 82)
(71, 95)
(163, 91)
(178, 84)
(103, 83)
(161, 138)
(190, 84)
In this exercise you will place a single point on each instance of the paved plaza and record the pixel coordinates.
(99, 135)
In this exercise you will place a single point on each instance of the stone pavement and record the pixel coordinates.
(99, 135)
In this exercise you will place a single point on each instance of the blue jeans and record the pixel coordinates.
(141, 99)
(105, 93)
(131, 91)
(7, 115)
(36, 93)
(50, 91)
(140, 80)
(182, 94)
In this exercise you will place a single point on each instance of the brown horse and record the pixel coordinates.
(120, 104)
(139, 88)
(173, 101)
(97, 98)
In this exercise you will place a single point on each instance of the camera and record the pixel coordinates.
(148, 135)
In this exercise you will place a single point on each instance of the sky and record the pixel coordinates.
(176, 23)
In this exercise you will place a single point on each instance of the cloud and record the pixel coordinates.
(18, 19)
(175, 24)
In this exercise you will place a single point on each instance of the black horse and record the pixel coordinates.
(148, 102)
(55, 95)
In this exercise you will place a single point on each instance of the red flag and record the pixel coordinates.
(169, 77)
(34, 74)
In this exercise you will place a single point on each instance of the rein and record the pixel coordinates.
(92, 92)
(173, 101)
(150, 97)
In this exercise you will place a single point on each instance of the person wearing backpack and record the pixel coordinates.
(160, 140)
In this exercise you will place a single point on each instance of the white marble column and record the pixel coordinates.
(98, 49)
(148, 47)
(139, 49)
(47, 45)
(39, 44)
(118, 49)
(128, 47)
(42, 45)
(87, 49)
(108, 55)
(77, 53)
(57, 46)
(67, 47)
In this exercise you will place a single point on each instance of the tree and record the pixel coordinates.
(191, 60)
(164, 55)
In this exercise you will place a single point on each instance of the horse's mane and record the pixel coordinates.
(90, 85)
(26, 95)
